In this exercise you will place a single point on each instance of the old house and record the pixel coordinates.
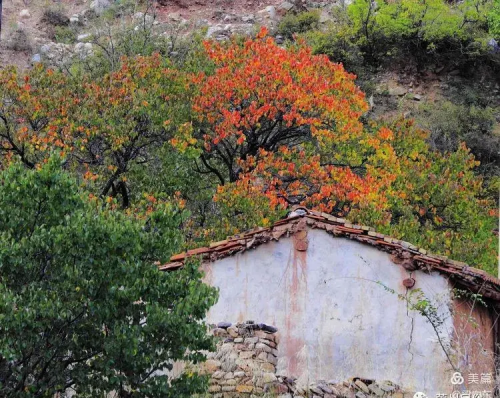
(352, 308)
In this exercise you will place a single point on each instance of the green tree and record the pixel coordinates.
(438, 201)
(298, 23)
(494, 20)
(82, 304)
(421, 29)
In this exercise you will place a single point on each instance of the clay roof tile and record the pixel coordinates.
(474, 278)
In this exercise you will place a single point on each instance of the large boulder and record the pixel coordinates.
(294, 6)
(75, 20)
(100, 5)
(285, 7)
(493, 45)
(83, 50)
(268, 13)
(56, 52)
(25, 14)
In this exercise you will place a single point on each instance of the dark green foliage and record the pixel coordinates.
(64, 34)
(82, 305)
(298, 23)
(450, 124)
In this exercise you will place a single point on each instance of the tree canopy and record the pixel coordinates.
(281, 127)
(82, 303)
(154, 143)
(243, 132)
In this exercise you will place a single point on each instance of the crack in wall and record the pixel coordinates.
(412, 326)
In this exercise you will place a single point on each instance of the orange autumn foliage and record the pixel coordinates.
(266, 128)
(279, 124)
(262, 95)
(103, 126)
(35, 115)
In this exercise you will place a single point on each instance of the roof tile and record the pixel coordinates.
(473, 278)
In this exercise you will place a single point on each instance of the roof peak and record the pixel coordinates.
(477, 280)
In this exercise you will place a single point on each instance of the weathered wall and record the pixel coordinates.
(473, 339)
(336, 319)
(244, 365)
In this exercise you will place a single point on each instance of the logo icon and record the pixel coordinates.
(455, 394)
(419, 395)
(457, 378)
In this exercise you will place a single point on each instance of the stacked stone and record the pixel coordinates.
(354, 388)
(244, 364)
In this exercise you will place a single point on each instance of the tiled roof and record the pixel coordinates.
(474, 279)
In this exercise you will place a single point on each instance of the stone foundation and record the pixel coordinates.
(245, 360)
(244, 365)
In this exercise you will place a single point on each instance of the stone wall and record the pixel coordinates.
(244, 365)
(245, 361)
(330, 304)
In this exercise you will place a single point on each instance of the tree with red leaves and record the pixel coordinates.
(282, 123)
(281, 126)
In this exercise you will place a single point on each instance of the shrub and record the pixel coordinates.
(117, 41)
(450, 124)
(19, 41)
(494, 20)
(120, 8)
(337, 41)
(64, 34)
(423, 30)
(55, 17)
(298, 23)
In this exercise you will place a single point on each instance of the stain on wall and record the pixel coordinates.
(473, 341)
(342, 311)
(244, 365)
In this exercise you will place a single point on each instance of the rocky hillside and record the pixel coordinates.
(454, 96)
(33, 30)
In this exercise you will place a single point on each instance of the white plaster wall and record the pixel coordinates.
(334, 319)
